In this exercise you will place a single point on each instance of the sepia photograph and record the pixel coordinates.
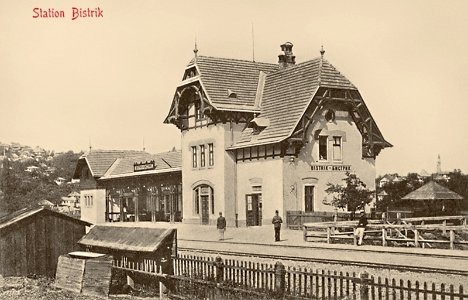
(233, 149)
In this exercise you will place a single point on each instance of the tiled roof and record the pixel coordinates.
(432, 191)
(172, 158)
(239, 76)
(124, 166)
(99, 161)
(287, 95)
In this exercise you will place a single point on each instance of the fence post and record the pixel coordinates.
(219, 269)
(416, 238)
(384, 237)
(452, 239)
(280, 279)
(364, 286)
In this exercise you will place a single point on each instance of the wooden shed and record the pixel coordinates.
(154, 245)
(32, 239)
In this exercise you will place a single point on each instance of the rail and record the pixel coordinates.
(386, 233)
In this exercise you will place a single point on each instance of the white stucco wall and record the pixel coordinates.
(270, 173)
(221, 176)
(94, 213)
(298, 173)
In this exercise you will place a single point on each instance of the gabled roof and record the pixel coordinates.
(25, 213)
(164, 162)
(287, 94)
(99, 161)
(218, 75)
(432, 191)
(281, 96)
(137, 239)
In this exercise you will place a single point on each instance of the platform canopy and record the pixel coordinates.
(136, 239)
(432, 191)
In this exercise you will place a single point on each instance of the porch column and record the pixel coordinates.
(122, 215)
(135, 202)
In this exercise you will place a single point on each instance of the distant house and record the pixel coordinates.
(16, 147)
(32, 239)
(31, 169)
(60, 180)
(386, 179)
(38, 151)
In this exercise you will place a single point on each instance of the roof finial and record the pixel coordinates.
(322, 52)
(195, 50)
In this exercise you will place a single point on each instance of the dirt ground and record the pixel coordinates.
(22, 288)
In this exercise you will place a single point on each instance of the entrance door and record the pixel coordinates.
(205, 203)
(254, 209)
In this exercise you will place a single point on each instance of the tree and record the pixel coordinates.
(353, 195)
(21, 188)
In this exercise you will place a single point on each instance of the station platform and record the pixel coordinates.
(259, 241)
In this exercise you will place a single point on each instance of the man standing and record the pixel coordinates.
(361, 227)
(221, 225)
(277, 225)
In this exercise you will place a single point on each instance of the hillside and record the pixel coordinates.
(29, 175)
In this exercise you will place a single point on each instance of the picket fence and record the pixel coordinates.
(198, 277)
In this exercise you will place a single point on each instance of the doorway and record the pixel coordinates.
(205, 209)
(254, 209)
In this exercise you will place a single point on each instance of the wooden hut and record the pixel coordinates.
(32, 239)
(138, 245)
(435, 200)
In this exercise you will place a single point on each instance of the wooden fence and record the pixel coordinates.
(409, 232)
(295, 219)
(208, 278)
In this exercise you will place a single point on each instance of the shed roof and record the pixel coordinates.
(432, 191)
(25, 213)
(122, 238)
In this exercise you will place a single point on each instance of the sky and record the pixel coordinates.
(109, 81)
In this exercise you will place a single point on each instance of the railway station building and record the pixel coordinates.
(259, 137)
(122, 186)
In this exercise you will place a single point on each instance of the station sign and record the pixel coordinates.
(328, 168)
(144, 166)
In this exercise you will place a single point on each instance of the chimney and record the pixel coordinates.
(286, 57)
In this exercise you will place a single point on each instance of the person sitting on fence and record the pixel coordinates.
(361, 227)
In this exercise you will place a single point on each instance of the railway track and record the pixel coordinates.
(281, 253)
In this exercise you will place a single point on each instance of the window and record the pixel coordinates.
(88, 200)
(202, 155)
(194, 157)
(337, 153)
(196, 204)
(212, 204)
(323, 147)
(308, 198)
(210, 155)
